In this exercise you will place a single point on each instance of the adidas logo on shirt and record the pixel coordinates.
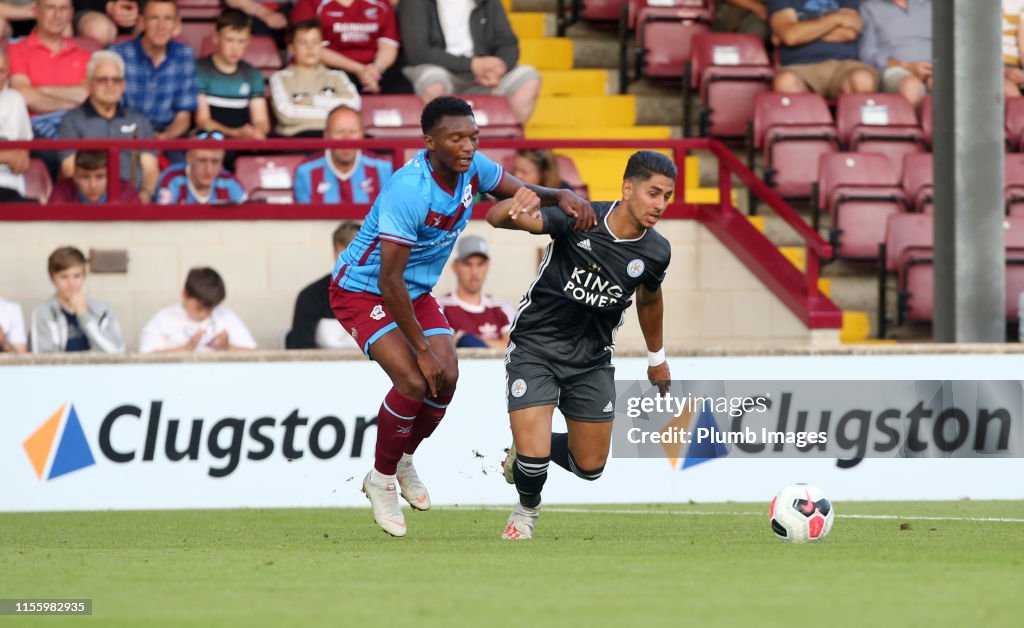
(608, 408)
(585, 245)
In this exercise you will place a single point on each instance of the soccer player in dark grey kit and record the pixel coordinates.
(563, 334)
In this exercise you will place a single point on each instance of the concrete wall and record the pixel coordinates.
(711, 299)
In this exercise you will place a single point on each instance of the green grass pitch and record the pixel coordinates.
(932, 564)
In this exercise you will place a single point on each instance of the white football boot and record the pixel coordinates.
(386, 511)
(508, 463)
(520, 523)
(413, 490)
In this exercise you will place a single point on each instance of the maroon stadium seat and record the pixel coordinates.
(199, 9)
(494, 116)
(1015, 123)
(664, 34)
(917, 181)
(1014, 238)
(728, 70)
(1013, 181)
(860, 191)
(261, 52)
(793, 131)
(604, 11)
(195, 35)
(879, 123)
(908, 253)
(38, 184)
(927, 119)
(569, 173)
(87, 44)
(268, 177)
(392, 116)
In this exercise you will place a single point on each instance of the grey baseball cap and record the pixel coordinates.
(472, 245)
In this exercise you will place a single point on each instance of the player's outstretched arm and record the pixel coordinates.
(650, 310)
(393, 260)
(521, 212)
(571, 203)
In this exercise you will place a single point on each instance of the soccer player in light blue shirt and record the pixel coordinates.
(382, 282)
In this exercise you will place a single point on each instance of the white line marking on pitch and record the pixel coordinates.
(626, 511)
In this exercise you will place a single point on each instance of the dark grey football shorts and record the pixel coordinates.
(581, 394)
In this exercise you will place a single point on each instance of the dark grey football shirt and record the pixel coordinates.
(585, 284)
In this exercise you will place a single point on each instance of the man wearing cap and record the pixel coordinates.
(478, 319)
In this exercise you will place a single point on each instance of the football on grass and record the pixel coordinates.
(801, 513)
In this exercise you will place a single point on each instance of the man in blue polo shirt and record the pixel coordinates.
(341, 175)
(160, 72)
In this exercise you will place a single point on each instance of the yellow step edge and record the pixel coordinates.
(825, 285)
(797, 255)
(856, 327)
(528, 24)
(757, 222)
(546, 53)
(598, 132)
(564, 111)
(574, 83)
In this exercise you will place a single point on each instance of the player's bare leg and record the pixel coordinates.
(429, 417)
(584, 449)
(531, 429)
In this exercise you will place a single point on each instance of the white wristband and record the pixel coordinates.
(656, 358)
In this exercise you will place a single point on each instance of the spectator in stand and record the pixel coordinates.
(268, 17)
(12, 328)
(70, 321)
(1013, 41)
(361, 39)
(199, 322)
(88, 182)
(160, 72)
(201, 179)
(14, 125)
(743, 16)
(897, 39)
(103, 116)
(16, 18)
(538, 167)
(230, 89)
(478, 319)
(314, 325)
(105, 20)
(304, 92)
(48, 68)
(465, 47)
(818, 47)
(341, 175)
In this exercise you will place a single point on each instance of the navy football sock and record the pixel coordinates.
(530, 474)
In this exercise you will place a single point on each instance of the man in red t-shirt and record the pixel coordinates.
(47, 68)
(361, 39)
(478, 319)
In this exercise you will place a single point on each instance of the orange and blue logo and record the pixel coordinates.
(52, 457)
(697, 451)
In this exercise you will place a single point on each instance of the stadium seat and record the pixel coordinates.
(602, 11)
(664, 32)
(927, 119)
(879, 123)
(261, 52)
(195, 35)
(1015, 123)
(917, 181)
(793, 131)
(38, 184)
(727, 70)
(269, 178)
(392, 116)
(494, 116)
(860, 191)
(1013, 182)
(567, 169)
(199, 9)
